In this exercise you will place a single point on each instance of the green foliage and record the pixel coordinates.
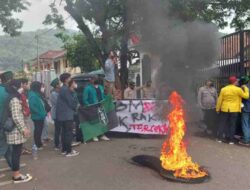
(218, 11)
(78, 52)
(54, 17)
(112, 20)
(106, 24)
(101, 21)
(15, 49)
(10, 24)
(221, 12)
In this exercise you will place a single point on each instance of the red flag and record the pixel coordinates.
(134, 39)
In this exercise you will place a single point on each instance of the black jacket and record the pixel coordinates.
(66, 105)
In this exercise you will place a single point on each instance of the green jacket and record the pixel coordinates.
(37, 108)
(3, 143)
(90, 95)
(3, 97)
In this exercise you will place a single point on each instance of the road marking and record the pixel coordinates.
(8, 169)
(4, 183)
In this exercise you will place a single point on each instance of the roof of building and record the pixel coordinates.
(53, 54)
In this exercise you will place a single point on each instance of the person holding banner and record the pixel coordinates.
(93, 93)
(130, 92)
(78, 133)
(149, 92)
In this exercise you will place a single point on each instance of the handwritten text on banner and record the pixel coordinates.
(139, 116)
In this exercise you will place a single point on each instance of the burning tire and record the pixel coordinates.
(175, 164)
(154, 163)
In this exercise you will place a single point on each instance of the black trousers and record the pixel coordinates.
(57, 133)
(227, 125)
(38, 124)
(16, 155)
(210, 120)
(8, 156)
(67, 135)
(79, 136)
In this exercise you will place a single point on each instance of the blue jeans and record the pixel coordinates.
(245, 119)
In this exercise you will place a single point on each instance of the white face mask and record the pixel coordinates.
(42, 89)
(20, 90)
(76, 86)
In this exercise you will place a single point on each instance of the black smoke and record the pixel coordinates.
(184, 48)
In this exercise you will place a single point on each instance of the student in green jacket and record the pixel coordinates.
(5, 149)
(93, 93)
(38, 112)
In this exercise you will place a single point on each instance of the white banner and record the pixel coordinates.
(140, 116)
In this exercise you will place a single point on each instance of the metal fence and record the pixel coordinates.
(235, 56)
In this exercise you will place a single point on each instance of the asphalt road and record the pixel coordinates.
(107, 166)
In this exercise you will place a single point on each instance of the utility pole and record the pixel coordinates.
(37, 53)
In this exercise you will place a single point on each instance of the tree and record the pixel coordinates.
(103, 16)
(111, 21)
(221, 12)
(78, 52)
(217, 11)
(103, 24)
(10, 24)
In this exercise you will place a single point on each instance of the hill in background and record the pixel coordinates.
(16, 50)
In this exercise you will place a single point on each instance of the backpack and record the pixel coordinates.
(46, 105)
(7, 123)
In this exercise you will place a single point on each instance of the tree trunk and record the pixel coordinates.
(124, 68)
(85, 29)
(124, 53)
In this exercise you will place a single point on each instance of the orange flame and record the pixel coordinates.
(174, 155)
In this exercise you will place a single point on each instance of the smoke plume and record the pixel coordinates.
(182, 48)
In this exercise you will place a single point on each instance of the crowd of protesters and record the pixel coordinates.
(19, 103)
(22, 102)
(229, 111)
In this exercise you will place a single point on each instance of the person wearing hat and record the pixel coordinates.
(229, 107)
(207, 98)
(93, 93)
(245, 117)
(6, 77)
(53, 99)
(5, 149)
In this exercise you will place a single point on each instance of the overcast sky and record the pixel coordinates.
(35, 15)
